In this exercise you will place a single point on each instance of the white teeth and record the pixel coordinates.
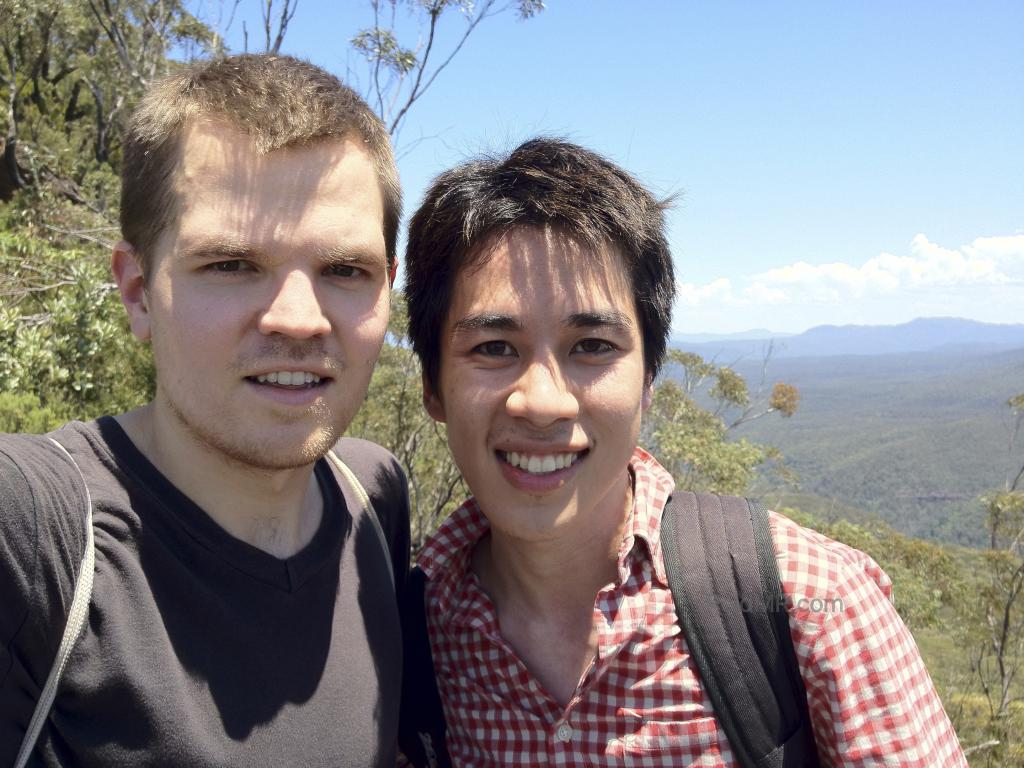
(537, 465)
(288, 378)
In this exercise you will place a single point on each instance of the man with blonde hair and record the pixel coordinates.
(241, 609)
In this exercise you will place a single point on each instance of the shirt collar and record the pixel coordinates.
(445, 558)
(652, 485)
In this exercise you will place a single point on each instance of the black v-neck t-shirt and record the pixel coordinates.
(199, 649)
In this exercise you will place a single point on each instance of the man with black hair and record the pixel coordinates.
(540, 288)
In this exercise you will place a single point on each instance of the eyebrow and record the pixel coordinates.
(486, 322)
(603, 318)
(345, 254)
(219, 248)
(229, 248)
(606, 318)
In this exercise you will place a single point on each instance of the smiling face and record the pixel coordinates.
(267, 301)
(542, 383)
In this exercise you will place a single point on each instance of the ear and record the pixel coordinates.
(127, 269)
(432, 401)
(393, 273)
(648, 395)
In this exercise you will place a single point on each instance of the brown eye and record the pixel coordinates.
(495, 349)
(234, 265)
(343, 270)
(593, 346)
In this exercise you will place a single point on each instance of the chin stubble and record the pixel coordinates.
(255, 454)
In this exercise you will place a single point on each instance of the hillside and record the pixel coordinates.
(921, 335)
(913, 439)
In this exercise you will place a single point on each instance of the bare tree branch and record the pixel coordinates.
(979, 747)
(435, 12)
(108, 22)
(286, 15)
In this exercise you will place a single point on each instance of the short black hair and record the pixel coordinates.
(548, 184)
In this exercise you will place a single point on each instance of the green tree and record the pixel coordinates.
(63, 332)
(693, 441)
(989, 710)
(393, 415)
(69, 74)
(998, 612)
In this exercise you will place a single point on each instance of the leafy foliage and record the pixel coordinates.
(393, 415)
(693, 442)
(62, 337)
(24, 413)
(72, 71)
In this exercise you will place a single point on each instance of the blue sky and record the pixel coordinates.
(835, 162)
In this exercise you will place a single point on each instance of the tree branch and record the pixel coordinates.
(282, 23)
(435, 13)
(116, 37)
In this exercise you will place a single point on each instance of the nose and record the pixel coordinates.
(542, 395)
(294, 309)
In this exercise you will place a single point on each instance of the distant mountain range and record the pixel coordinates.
(921, 335)
(756, 334)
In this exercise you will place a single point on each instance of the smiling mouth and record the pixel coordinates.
(542, 464)
(289, 380)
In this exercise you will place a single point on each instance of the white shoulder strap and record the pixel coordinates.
(368, 509)
(76, 620)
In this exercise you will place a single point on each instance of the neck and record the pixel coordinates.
(561, 574)
(275, 510)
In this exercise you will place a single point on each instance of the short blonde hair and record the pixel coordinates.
(277, 101)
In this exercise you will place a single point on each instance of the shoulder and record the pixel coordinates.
(368, 460)
(35, 475)
(385, 483)
(870, 696)
(378, 471)
(22, 461)
(813, 566)
(42, 536)
(26, 455)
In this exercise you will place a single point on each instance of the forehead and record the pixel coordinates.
(539, 273)
(328, 188)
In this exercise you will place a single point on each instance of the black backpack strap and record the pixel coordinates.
(421, 726)
(725, 584)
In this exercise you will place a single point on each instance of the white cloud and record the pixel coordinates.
(689, 294)
(983, 280)
(988, 261)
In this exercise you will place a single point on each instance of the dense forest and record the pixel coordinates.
(70, 74)
(913, 439)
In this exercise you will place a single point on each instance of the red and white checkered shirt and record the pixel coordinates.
(641, 703)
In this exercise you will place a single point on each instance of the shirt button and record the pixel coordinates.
(564, 732)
